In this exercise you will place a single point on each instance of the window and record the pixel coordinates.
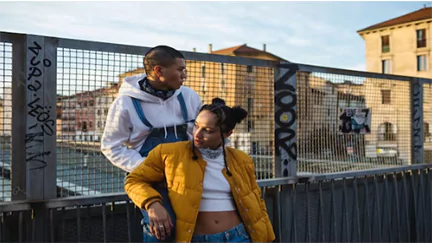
(91, 103)
(317, 96)
(84, 126)
(421, 38)
(249, 68)
(386, 132)
(385, 44)
(99, 124)
(222, 69)
(203, 70)
(90, 125)
(250, 104)
(385, 96)
(255, 146)
(251, 125)
(426, 132)
(386, 66)
(422, 63)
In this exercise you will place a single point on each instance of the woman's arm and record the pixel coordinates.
(255, 187)
(138, 182)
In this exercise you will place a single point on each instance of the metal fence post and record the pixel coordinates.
(285, 88)
(417, 140)
(18, 179)
(40, 127)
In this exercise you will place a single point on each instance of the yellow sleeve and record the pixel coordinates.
(270, 232)
(138, 183)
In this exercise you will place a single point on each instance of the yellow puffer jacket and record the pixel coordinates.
(184, 177)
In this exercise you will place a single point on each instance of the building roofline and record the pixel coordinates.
(416, 16)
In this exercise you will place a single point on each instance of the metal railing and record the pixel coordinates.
(385, 49)
(293, 128)
(380, 205)
(61, 147)
(309, 102)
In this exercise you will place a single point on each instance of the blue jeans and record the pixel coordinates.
(237, 234)
(147, 235)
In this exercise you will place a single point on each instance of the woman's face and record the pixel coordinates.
(206, 132)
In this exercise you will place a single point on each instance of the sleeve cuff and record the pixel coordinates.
(149, 202)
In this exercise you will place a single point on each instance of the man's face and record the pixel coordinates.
(172, 77)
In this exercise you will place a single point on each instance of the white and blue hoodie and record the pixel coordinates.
(125, 133)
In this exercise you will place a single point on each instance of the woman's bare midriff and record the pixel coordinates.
(215, 222)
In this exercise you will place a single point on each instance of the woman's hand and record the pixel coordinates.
(160, 221)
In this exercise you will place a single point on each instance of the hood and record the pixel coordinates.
(130, 87)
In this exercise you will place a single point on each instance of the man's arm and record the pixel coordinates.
(118, 129)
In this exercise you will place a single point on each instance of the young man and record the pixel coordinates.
(150, 109)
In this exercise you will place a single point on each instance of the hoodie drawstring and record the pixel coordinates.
(165, 129)
(175, 131)
(175, 125)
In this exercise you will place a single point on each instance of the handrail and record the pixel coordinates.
(119, 197)
(346, 72)
(369, 172)
(131, 49)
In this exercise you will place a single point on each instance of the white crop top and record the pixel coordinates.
(217, 196)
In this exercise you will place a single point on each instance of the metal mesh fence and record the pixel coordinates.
(250, 87)
(427, 118)
(326, 138)
(88, 82)
(89, 77)
(5, 120)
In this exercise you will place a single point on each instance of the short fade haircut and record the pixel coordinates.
(160, 55)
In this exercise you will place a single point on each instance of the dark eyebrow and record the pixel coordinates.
(207, 128)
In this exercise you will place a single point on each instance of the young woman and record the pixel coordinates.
(212, 188)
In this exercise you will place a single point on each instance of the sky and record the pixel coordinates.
(317, 33)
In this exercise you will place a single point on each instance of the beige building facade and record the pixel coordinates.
(400, 46)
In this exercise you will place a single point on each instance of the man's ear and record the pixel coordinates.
(157, 70)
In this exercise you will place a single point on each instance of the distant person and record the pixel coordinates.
(212, 187)
(150, 109)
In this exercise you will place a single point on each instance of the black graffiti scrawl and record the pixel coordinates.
(417, 122)
(286, 118)
(42, 124)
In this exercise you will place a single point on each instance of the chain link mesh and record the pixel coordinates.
(5, 120)
(324, 148)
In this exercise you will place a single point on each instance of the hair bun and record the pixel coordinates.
(239, 113)
(217, 100)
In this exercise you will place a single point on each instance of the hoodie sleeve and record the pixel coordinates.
(118, 129)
